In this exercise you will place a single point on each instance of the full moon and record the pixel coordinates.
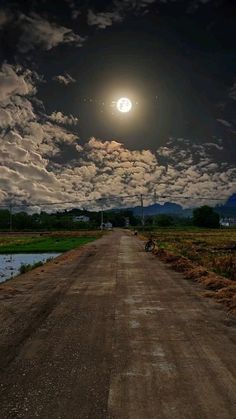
(124, 104)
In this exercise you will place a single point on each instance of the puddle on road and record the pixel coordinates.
(10, 264)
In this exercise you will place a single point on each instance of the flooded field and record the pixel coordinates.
(10, 264)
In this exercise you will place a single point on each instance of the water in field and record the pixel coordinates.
(10, 264)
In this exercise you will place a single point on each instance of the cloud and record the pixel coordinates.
(63, 119)
(19, 111)
(108, 169)
(74, 10)
(119, 9)
(64, 79)
(194, 5)
(102, 20)
(39, 32)
(43, 161)
(219, 147)
(28, 143)
(225, 123)
(134, 5)
(15, 81)
(193, 171)
(5, 17)
(232, 92)
(17, 86)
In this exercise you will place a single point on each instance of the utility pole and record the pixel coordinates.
(155, 201)
(10, 215)
(155, 197)
(142, 213)
(102, 218)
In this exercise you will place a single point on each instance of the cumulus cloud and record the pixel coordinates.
(39, 32)
(17, 86)
(43, 161)
(108, 169)
(64, 79)
(102, 20)
(25, 163)
(27, 143)
(15, 81)
(60, 118)
(17, 111)
(193, 172)
(118, 11)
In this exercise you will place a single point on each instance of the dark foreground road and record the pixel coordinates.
(113, 333)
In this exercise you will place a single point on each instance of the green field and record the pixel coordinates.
(213, 249)
(38, 244)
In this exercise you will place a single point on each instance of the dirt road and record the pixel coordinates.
(113, 333)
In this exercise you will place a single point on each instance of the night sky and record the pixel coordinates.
(65, 64)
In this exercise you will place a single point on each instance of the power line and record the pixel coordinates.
(110, 198)
(155, 196)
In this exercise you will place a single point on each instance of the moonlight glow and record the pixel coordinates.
(124, 105)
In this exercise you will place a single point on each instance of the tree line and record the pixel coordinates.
(204, 216)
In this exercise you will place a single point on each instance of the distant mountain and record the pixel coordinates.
(231, 202)
(170, 208)
(228, 209)
(167, 208)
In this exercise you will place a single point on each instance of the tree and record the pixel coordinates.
(206, 217)
(164, 220)
(4, 219)
(22, 221)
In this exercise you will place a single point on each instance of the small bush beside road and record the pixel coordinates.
(27, 267)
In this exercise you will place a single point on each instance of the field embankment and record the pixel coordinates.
(207, 256)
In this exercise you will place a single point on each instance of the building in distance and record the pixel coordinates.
(81, 219)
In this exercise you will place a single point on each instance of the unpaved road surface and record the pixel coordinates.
(111, 332)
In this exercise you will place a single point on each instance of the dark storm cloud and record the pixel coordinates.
(177, 60)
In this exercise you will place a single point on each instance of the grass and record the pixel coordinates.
(205, 256)
(26, 267)
(213, 249)
(37, 244)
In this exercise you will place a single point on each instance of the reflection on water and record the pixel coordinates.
(10, 264)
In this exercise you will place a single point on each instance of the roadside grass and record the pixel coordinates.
(27, 267)
(37, 244)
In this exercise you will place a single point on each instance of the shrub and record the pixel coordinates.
(27, 267)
